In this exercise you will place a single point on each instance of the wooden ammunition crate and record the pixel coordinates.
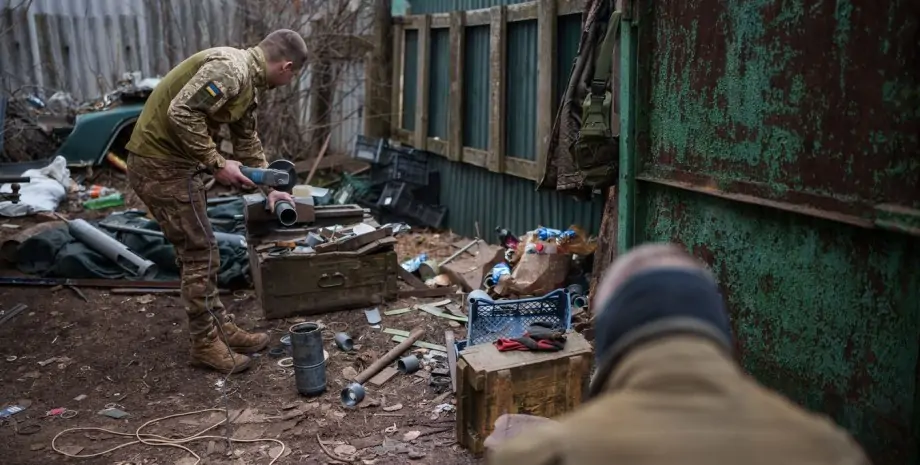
(492, 383)
(291, 285)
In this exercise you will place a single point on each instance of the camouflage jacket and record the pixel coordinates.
(213, 87)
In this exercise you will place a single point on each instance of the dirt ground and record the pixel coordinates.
(130, 352)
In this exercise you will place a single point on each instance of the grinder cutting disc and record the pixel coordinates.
(285, 165)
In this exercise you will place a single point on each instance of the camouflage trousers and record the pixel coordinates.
(163, 186)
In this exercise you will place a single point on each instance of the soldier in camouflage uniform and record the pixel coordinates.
(172, 143)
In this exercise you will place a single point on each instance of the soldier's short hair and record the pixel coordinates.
(287, 45)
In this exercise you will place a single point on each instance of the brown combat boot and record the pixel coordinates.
(242, 341)
(210, 352)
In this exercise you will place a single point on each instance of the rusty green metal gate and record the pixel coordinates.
(778, 141)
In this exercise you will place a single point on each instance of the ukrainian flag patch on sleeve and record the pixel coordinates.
(206, 97)
(212, 89)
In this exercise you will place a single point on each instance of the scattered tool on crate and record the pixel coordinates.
(353, 394)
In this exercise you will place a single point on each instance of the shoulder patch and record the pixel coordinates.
(213, 89)
(206, 97)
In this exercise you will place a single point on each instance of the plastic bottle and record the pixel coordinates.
(109, 201)
(499, 272)
(545, 234)
(506, 238)
(413, 264)
(96, 191)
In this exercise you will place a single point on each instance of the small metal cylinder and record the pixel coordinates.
(408, 365)
(343, 342)
(309, 361)
(286, 213)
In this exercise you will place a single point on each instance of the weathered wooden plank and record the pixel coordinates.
(440, 21)
(476, 157)
(377, 122)
(437, 146)
(497, 35)
(402, 135)
(422, 89)
(396, 90)
(522, 12)
(546, 64)
(568, 7)
(479, 17)
(455, 108)
(527, 169)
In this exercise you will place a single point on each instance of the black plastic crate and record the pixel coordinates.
(431, 216)
(402, 164)
(396, 196)
(430, 193)
(369, 149)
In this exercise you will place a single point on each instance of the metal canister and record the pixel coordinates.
(309, 361)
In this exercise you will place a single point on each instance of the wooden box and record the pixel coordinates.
(294, 284)
(492, 383)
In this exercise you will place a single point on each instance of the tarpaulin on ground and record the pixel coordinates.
(57, 254)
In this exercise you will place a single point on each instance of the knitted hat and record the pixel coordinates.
(653, 304)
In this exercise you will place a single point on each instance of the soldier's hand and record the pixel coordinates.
(278, 196)
(230, 175)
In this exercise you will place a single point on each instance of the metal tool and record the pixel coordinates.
(281, 175)
(353, 394)
(267, 176)
(233, 239)
(110, 248)
(14, 186)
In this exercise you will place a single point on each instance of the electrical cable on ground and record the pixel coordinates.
(162, 441)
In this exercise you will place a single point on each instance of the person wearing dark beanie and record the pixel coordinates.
(666, 388)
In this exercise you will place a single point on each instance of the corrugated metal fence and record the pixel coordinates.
(85, 46)
(442, 57)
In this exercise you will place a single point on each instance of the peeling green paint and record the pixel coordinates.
(781, 79)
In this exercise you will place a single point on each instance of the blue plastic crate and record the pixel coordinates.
(490, 320)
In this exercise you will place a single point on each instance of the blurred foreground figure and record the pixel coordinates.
(667, 390)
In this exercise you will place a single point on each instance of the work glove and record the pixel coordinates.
(541, 331)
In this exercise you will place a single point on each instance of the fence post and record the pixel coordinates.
(378, 74)
(546, 67)
(422, 90)
(399, 37)
(455, 115)
(496, 160)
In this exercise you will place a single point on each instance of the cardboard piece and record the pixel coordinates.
(470, 269)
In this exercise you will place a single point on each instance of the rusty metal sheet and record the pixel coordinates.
(813, 106)
(750, 110)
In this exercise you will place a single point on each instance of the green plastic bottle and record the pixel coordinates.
(109, 201)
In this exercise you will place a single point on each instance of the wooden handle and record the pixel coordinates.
(390, 356)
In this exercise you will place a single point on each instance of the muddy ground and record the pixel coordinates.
(130, 351)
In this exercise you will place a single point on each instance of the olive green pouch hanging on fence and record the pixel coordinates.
(596, 152)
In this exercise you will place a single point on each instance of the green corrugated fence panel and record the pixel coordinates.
(410, 80)
(439, 83)
(521, 90)
(476, 88)
(568, 33)
(474, 194)
(420, 7)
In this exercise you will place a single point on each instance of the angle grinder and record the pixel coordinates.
(280, 175)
